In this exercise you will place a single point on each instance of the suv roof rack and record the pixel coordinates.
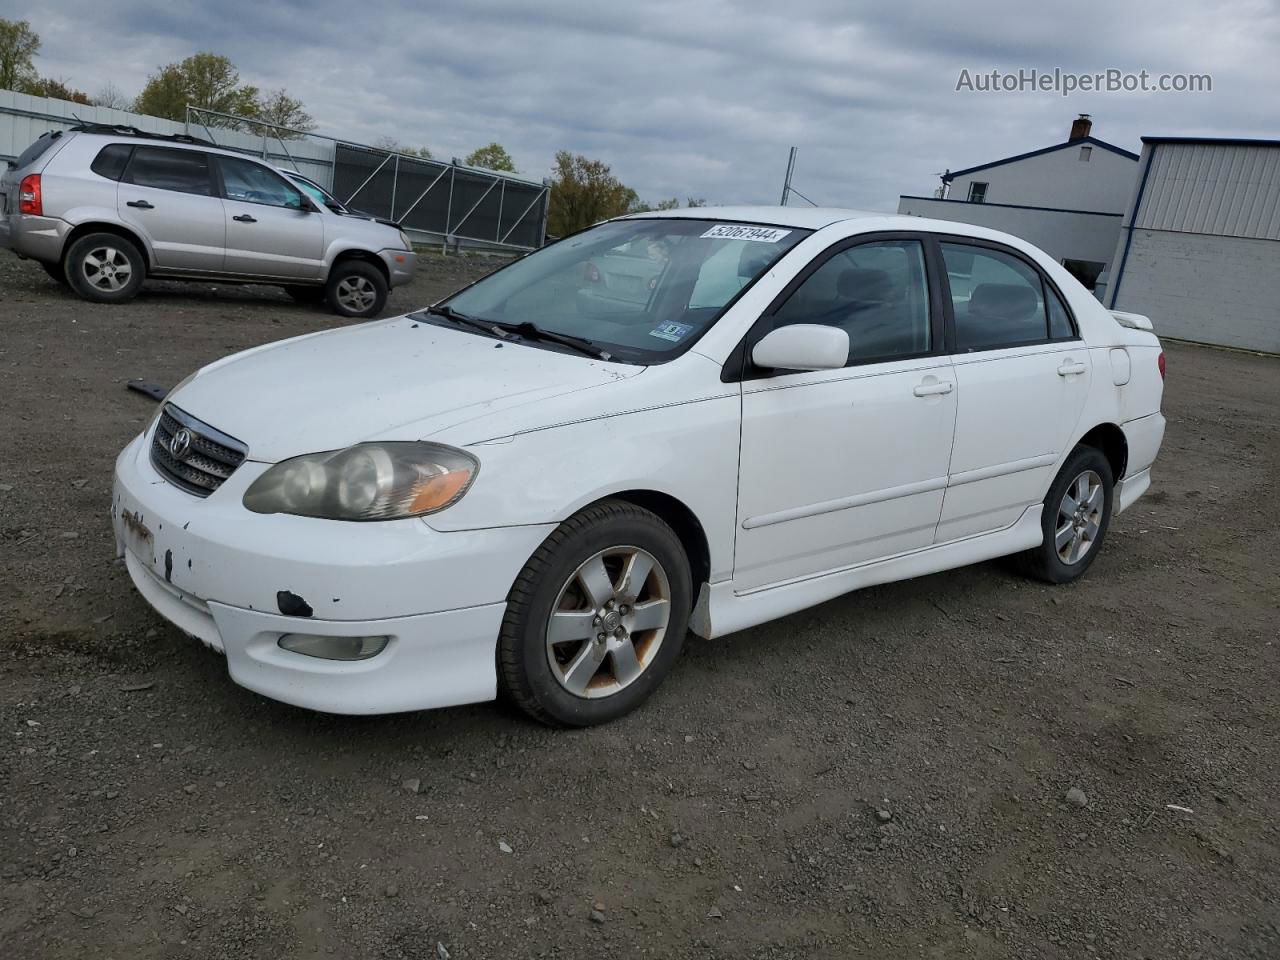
(123, 130)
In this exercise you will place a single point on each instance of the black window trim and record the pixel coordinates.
(215, 181)
(739, 367)
(221, 182)
(1045, 282)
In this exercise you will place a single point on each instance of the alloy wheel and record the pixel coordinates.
(608, 622)
(356, 293)
(107, 268)
(1079, 517)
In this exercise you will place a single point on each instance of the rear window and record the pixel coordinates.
(33, 152)
(111, 160)
(186, 171)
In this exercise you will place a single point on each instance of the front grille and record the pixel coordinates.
(209, 459)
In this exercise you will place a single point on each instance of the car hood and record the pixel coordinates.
(397, 379)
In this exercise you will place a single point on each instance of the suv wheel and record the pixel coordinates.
(55, 271)
(356, 289)
(104, 268)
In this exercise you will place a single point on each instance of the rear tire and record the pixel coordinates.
(55, 271)
(105, 268)
(1075, 519)
(356, 289)
(306, 294)
(612, 571)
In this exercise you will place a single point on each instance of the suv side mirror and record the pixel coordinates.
(802, 346)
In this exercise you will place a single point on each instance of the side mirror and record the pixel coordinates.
(803, 346)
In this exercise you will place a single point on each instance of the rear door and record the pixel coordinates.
(1022, 375)
(167, 195)
(271, 230)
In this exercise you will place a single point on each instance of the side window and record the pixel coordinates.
(111, 160)
(254, 183)
(186, 171)
(997, 299)
(1059, 319)
(875, 292)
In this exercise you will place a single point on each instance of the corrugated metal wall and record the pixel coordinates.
(1227, 189)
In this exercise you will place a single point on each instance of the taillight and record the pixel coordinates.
(591, 273)
(29, 200)
(1160, 364)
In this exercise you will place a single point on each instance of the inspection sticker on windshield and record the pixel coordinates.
(740, 231)
(675, 332)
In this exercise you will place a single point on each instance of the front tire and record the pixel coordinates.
(597, 618)
(105, 268)
(356, 289)
(1075, 518)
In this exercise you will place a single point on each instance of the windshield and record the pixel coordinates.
(314, 192)
(641, 290)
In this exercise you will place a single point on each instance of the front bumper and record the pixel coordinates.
(223, 574)
(400, 265)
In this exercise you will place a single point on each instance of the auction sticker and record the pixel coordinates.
(675, 332)
(742, 231)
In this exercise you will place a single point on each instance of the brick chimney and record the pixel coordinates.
(1080, 127)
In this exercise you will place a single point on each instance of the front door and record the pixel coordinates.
(271, 230)
(1023, 378)
(841, 467)
(167, 195)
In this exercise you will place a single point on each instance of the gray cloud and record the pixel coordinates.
(704, 98)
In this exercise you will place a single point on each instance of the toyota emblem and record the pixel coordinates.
(180, 444)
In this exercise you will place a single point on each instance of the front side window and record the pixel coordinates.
(253, 183)
(642, 290)
(998, 300)
(162, 168)
(876, 292)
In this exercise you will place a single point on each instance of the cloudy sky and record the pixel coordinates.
(704, 97)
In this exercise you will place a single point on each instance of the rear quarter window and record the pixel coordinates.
(111, 160)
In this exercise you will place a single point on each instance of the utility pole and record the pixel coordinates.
(786, 184)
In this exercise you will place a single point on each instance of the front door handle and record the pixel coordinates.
(141, 204)
(245, 218)
(932, 389)
(1071, 366)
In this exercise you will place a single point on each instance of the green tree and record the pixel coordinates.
(492, 157)
(50, 87)
(584, 192)
(203, 80)
(279, 108)
(18, 47)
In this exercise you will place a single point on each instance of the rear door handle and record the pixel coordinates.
(245, 218)
(1071, 366)
(932, 389)
(140, 204)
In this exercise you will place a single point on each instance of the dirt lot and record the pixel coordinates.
(883, 776)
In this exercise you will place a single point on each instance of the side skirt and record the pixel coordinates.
(720, 610)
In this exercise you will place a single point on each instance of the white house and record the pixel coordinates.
(1199, 249)
(1068, 199)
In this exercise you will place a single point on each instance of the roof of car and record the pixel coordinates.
(809, 218)
(129, 135)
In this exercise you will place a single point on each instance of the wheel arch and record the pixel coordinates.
(677, 515)
(98, 226)
(1109, 438)
(364, 256)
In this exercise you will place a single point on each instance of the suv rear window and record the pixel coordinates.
(111, 160)
(33, 152)
(186, 171)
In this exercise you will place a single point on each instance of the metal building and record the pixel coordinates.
(1199, 247)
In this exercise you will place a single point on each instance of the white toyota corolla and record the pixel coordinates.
(695, 421)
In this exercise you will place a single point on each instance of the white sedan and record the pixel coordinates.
(535, 488)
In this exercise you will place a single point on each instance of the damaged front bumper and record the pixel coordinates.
(239, 581)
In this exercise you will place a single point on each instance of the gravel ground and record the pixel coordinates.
(968, 764)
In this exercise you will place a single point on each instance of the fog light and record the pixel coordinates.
(333, 648)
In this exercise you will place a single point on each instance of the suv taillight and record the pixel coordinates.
(29, 200)
(1160, 364)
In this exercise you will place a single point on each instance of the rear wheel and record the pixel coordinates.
(596, 619)
(54, 270)
(356, 289)
(1076, 515)
(104, 268)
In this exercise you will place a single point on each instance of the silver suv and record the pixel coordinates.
(102, 208)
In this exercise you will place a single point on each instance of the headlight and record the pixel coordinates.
(370, 481)
(404, 238)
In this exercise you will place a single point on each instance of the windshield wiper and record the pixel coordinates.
(531, 331)
(484, 326)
